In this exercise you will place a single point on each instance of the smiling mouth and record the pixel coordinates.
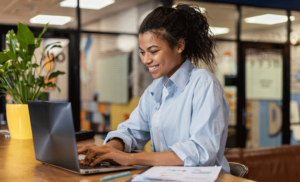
(152, 68)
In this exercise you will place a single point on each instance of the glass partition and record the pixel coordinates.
(105, 66)
(263, 97)
(295, 79)
(226, 71)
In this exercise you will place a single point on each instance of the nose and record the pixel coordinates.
(147, 59)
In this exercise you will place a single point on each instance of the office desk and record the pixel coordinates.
(17, 163)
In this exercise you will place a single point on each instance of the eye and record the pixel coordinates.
(153, 52)
(142, 53)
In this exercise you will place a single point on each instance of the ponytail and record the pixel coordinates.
(187, 22)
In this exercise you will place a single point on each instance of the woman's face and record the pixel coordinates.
(157, 55)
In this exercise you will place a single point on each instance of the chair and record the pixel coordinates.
(239, 170)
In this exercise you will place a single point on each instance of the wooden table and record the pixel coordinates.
(17, 163)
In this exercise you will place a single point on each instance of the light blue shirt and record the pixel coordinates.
(193, 121)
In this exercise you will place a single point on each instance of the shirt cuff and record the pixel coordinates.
(187, 153)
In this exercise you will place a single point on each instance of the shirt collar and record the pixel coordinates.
(180, 78)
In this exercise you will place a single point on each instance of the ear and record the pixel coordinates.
(180, 45)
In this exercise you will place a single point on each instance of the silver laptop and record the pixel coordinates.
(54, 138)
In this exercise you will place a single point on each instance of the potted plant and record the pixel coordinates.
(20, 76)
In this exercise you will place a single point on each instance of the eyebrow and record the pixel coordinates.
(149, 47)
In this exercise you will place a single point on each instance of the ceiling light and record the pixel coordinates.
(87, 4)
(201, 8)
(268, 19)
(52, 20)
(219, 30)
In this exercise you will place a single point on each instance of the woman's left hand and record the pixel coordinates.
(96, 154)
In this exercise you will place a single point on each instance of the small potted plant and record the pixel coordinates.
(20, 77)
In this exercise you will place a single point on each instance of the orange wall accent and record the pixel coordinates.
(84, 124)
(120, 111)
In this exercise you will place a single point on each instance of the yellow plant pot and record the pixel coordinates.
(18, 121)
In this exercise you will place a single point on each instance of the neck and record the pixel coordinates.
(176, 68)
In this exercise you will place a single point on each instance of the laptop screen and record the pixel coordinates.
(53, 134)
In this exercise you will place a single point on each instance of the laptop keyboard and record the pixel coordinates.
(102, 164)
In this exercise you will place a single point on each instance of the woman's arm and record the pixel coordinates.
(135, 131)
(96, 154)
(116, 143)
(156, 159)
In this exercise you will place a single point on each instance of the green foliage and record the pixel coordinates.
(19, 75)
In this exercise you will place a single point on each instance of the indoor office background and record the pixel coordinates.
(257, 63)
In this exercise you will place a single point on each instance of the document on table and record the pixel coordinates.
(171, 173)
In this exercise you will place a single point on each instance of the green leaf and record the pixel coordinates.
(25, 36)
(54, 46)
(43, 96)
(44, 30)
(40, 81)
(58, 89)
(30, 85)
(10, 73)
(46, 47)
(38, 43)
(22, 53)
(23, 65)
(3, 58)
(30, 79)
(39, 40)
(11, 55)
(50, 84)
(24, 91)
(55, 74)
(31, 48)
(5, 66)
(34, 65)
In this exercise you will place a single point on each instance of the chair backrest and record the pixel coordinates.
(238, 170)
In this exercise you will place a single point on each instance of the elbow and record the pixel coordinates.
(207, 156)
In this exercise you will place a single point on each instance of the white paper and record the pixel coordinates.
(171, 173)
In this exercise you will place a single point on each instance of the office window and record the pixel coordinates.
(60, 62)
(105, 68)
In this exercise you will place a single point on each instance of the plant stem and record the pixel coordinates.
(11, 91)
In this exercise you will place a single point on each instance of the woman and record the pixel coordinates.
(184, 111)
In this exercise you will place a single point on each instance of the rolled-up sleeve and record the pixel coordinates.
(208, 125)
(135, 131)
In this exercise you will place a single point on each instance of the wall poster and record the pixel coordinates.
(263, 74)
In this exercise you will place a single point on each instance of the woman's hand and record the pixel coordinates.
(95, 154)
(82, 148)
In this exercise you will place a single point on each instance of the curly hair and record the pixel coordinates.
(187, 22)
